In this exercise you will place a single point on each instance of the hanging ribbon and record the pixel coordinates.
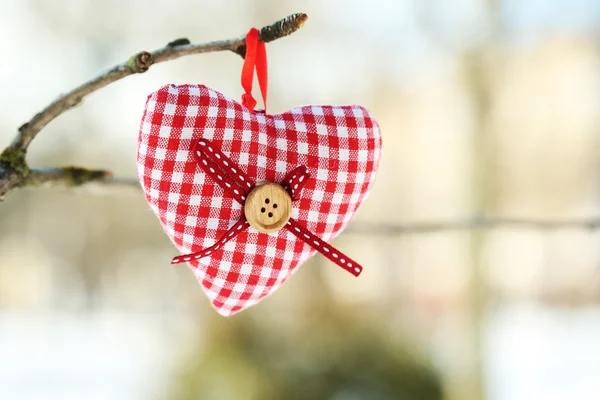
(238, 185)
(256, 58)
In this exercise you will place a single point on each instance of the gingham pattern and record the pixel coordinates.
(340, 146)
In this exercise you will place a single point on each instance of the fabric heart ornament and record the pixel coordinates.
(216, 172)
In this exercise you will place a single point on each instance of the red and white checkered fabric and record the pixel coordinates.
(340, 146)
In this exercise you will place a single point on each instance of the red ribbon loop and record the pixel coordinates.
(256, 58)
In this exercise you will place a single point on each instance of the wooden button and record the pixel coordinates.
(268, 207)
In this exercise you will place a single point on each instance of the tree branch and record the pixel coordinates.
(75, 176)
(140, 63)
(65, 176)
(473, 223)
(14, 170)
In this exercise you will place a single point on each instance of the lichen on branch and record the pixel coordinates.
(14, 159)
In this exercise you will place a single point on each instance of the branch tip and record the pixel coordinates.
(283, 27)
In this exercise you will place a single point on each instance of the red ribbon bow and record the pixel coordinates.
(238, 185)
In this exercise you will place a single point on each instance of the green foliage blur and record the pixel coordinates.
(328, 352)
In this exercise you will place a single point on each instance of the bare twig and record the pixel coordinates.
(473, 223)
(14, 170)
(76, 176)
(65, 176)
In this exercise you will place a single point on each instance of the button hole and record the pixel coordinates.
(262, 210)
(267, 201)
(275, 205)
(270, 215)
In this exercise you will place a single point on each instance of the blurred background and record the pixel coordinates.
(487, 107)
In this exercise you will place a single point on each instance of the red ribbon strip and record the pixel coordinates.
(238, 185)
(256, 58)
(239, 226)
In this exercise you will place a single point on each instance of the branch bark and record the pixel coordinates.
(14, 171)
(74, 176)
